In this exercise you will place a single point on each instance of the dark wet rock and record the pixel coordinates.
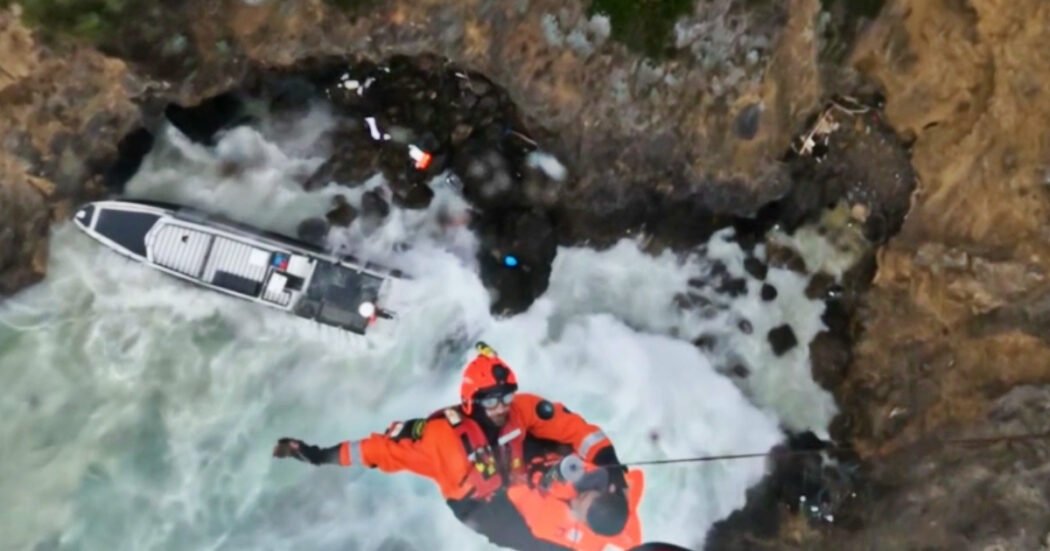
(373, 205)
(799, 484)
(785, 257)
(863, 163)
(934, 494)
(412, 195)
(836, 318)
(23, 232)
(460, 133)
(829, 357)
(342, 213)
(781, 339)
(857, 280)
(691, 301)
(745, 327)
(130, 151)
(734, 287)
(747, 121)
(354, 161)
(201, 122)
(487, 178)
(681, 221)
(428, 103)
(290, 96)
(756, 268)
(529, 236)
(769, 292)
(819, 286)
(718, 269)
(705, 342)
(313, 230)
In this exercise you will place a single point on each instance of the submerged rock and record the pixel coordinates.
(313, 230)
(781, 339)
(342, 213)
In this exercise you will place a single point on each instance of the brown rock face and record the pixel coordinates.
(960, 296)
(667, 140)
(937, 494)
(62, 114)
(959, 312)
(24, 224)
(705, 127)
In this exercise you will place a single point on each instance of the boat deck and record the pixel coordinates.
(229, 263)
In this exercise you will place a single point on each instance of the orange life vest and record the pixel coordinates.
(493, 468)
(550, 519)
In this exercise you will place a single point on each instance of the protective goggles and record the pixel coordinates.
(493, 401)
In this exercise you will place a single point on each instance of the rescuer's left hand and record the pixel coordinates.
(297, 449)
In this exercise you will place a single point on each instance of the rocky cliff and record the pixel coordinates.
(941, 333)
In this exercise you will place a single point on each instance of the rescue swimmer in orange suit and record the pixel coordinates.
(476, 450)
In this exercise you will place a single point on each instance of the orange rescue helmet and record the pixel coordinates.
(485, 374)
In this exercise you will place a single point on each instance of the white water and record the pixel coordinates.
(139, 412)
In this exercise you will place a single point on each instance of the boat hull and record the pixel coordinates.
(269, 269)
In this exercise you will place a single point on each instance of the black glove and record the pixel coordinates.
(606, 457)
(297, 449)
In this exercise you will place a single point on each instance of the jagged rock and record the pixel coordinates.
(745, 327)
(64, 113)
(781, 339)
(131, 149)
(705, 342)
(785, 257)
(373, 205)
(922, 488)
(24, 227)
(819, 286)
(412, 195)
(313, 230)
(829, 356)
(734, 287)
(528, 235)
(756, 268)
(342, 213)
(201, 122)
(800, 487)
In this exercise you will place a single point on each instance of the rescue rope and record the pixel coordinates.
(969, 442)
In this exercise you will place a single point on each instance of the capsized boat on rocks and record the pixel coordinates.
(246, 262)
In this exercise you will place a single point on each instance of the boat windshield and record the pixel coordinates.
(340, 292)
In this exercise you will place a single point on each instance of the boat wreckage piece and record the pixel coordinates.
(246, 262)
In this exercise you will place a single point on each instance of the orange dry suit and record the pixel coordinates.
(452, 449)
(547, 513)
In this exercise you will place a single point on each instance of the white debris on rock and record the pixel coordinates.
(599, 28)
(548, 164)
(551, 30)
